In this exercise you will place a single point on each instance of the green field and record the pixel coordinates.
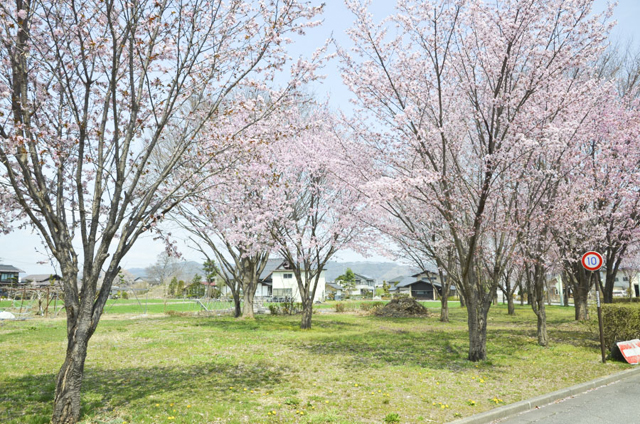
(349, 368)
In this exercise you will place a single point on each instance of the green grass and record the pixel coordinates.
(349, 368)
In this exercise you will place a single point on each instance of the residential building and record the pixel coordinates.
(9, 275)
(422, 286)
(43, 280)
(278, 281)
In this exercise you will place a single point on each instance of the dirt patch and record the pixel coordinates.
(402, 308)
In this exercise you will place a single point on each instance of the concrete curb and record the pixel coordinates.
(526, 405)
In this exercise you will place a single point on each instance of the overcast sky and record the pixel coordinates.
(24, 250)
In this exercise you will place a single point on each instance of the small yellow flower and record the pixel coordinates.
(442, 406)
(355, 385)
(245, 389)
(171, 404)
(273, 412)
(157, 404)
(251, 391)
(188, 406)
(174, 410)
(268, 413)
(326, 401)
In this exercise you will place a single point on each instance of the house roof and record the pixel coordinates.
(425, 272)
(335, 286)
(409, 281)
(402, 281)
(9, 268)
(364, 277)
(272, 265)
(40, 278)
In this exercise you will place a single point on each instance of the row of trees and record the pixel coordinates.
(501, 144)
(489, 140)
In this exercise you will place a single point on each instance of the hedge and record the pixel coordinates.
(621, 322)
(626, 300)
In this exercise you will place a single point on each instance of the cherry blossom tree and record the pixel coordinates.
(317, 210)
(89, 90)
(454, 97)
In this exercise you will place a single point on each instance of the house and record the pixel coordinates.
(422, 286)
(277, 280)
(364, 285)
(333, 290)
(9, 276)
(43, 280)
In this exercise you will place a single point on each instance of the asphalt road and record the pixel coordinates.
(615, 403)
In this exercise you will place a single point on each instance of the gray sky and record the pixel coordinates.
(23, 249)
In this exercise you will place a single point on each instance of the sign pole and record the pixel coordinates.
(600, 324)
(592, 261)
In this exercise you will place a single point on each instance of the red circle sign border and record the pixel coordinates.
(588, 268)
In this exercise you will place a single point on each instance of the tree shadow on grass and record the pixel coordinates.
(268, 323)
(29, 399)
(429, 348)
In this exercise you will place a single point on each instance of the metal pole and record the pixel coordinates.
(46, 310)
(600, 324)
(24, 292)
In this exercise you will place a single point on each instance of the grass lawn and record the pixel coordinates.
(348, 369)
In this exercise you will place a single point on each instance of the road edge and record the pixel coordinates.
(542, 400)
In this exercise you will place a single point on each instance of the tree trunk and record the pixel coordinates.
(247, 305)
(444, 303)
(66, 403)
(307, 313)
(543, 339)
(462, 302)
(580, 300)
(477, 310)
(237, 313)
(521, 295)
(511, 308)
(477, 321)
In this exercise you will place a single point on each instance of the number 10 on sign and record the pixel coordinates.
(592, 261)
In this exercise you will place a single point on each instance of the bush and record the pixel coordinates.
(368, 306)
(392, 418)
(340, 307)
(626, 300)
(620, 322)
(274, 310)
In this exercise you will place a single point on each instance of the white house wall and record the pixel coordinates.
(279, 282)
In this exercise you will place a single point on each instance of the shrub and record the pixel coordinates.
(340, 307)
(274, 310)
(621, 322)
(392, 418)
(368, 306)
(626, 300)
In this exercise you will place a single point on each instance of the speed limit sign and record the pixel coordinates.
(592, 261)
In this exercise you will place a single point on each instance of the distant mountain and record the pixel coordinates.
(189, 270)
(137, 272)
(380, 271)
